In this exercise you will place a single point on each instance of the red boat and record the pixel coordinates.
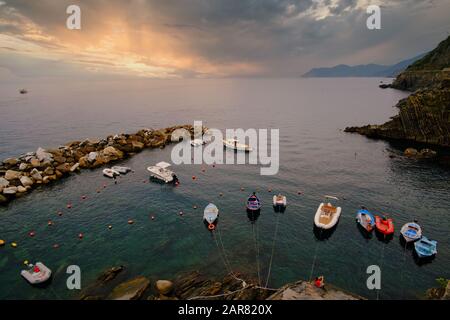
(384, 225)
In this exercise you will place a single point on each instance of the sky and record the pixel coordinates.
(210, 38)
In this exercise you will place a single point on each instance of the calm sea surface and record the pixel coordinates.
(316, 157)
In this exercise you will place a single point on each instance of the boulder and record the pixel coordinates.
(75, 167)
(23, 166)
(49, 171)
(36, 175)
(427, 153)
(84, 163)
(130, 290)
(35, 163)
(12, 175)
(21, 189)
(164, 287)
(43, 155)
(92, 156)
(137, 146)
(59, 159)
(26, 181)
(10, 162)
(63, 168)
(10, 190)
(112, 153)
(411, 152)
(3, 182)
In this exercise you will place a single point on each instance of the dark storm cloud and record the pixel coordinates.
(282, 36)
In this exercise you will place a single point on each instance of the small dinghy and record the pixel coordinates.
(36, 274)
(253, 203)
(121, 170)
(384, 225)
(279, 203)
(235, 145)
(327, 215)
(110, 173)
(160, 172)
(425, 248)
(365, 219)
(411, 231)
(210, 216)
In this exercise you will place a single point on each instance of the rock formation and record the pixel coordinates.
(424, 116)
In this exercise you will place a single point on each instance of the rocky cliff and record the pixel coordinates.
(424, 116)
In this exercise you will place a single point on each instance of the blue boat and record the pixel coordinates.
(365, 219)
(425, 247)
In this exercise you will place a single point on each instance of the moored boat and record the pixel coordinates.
(160, 172)
(411, 231)
(121, 169)
(234, 144)
(253, 203)
(197, 142)
(365, 219)
(210, 216)
(327, 215)
(384, 225)
(425, 247)
(279, 202)
(110, 173)
(37, 273)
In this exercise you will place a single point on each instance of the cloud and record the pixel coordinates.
(220, 38)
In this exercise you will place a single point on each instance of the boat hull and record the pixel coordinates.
(330, 223)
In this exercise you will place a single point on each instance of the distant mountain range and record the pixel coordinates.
(362, 70)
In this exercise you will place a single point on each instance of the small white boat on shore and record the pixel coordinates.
(121, 170)
(37, 273)
(110, 173)
(210, 216)
(235, 145)
(327, 215)
(160, 172)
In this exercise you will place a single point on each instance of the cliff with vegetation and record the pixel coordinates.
(424, 116)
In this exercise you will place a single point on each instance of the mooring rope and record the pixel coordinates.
(315, 256)
(256, 252)
(273, 249)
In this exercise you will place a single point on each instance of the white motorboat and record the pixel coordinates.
(160, 172)
(210, 215)
(121, 170)
(110, 173)
(327, 215)
(411, 231)
(37, 273)
(279, 202)
(235, 145)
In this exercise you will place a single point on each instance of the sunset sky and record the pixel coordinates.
(210, 38)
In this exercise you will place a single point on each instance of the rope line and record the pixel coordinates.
(315, 256)
(273, 249)
(257, 253)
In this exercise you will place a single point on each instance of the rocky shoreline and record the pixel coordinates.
(19, 176)
(111, 285)
(424, 116)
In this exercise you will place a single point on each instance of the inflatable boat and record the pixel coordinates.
(327, 215)
(235, 145)
(121, 170)
(110, 173)
(279, 202)
(384, 225)
(36, 274)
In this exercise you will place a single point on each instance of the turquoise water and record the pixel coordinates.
(316, 157)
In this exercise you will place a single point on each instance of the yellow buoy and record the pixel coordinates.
(14, 245)
(25, 262)
(2, 242)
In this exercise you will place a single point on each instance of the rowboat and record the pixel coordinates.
(425, 247)
(384, 225)
(365, 219)
(210, 216)
(110, 173)
(411, 231)
(253, 203)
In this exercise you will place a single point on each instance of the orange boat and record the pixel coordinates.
(384, 225)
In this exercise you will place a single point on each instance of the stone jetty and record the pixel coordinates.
(19, 176)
